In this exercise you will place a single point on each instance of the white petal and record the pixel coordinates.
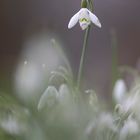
(119, 91)
(94, 19)
(73, 20)
(48, 98)
(84, 25)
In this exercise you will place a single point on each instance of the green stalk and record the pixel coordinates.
(114, 58)
(82, 57)
(90, 6)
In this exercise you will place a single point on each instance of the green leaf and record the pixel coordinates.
(114, 45)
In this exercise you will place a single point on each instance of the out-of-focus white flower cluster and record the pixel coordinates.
(50, 107)
(127, 102)
(12, 125)
(39, 58)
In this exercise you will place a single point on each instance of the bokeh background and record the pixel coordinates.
(20, 19)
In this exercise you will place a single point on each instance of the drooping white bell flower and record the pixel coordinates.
(85, 17)
(119, 91)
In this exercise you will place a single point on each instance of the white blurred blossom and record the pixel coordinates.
(48, 98)
(132, 103)
(12, 126)
(28, 81)
(64, 93)
(40, 56)
(106, 120)
(119, 91)
(130, 128)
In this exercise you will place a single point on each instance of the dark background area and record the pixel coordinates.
(22, 18)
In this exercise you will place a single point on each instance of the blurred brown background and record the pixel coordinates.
(21, 18)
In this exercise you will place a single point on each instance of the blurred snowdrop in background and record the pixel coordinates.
(12, 125)
(28, 82)
(41, 55)
(120, 91)
(130, 129)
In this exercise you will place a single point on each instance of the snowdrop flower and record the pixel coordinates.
(85, 17)
(12, 126)
(119, 91)
(106, 120)
(130, 127)
(132, 103)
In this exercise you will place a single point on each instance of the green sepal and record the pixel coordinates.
(84, 4)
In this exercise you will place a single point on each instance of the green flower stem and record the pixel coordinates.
(90, 6)
(114, 58)
(82, 57)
